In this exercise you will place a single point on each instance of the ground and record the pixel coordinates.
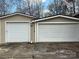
(39, 51)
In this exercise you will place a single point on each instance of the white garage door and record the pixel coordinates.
(57, 32)
(17, 32)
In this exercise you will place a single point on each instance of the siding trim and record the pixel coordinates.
(59, 22)
(13, 14)
(36, 32)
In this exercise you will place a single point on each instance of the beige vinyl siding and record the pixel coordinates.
(33, 32)
(0, 31)
(59, 19)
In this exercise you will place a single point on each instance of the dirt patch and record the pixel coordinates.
(39, 51)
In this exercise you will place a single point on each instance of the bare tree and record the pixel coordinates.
(65, 7)
(72, 6)
(2, 7)
(58, 7)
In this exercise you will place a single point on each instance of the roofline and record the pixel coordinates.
(56, 17)
(16, 14)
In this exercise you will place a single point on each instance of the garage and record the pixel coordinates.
(15, 27)
(57, 29)
(17, 32)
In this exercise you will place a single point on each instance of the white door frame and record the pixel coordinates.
(37, 24)
(29, 40)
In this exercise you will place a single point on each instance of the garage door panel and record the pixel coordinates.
(17, 32)
(57, 32)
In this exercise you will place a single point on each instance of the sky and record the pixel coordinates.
(43, 0)
(45, 3)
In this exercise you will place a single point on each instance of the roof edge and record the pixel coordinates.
(56, 17)
(16, 14)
